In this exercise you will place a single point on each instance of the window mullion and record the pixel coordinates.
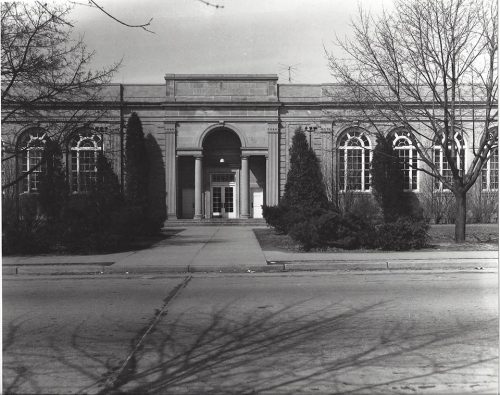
(28, 175)
(362, 169)
(77, 170)
(345, 168)
(488, 175)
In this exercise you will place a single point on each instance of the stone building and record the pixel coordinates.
(219, 143)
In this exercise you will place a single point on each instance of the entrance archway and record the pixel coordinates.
(222, 144)
(225, 181)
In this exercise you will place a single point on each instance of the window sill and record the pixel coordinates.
(29, 193)
(356, 191)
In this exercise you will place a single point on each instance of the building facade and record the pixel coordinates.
(219, 144)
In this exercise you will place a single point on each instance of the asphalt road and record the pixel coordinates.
(252, 333)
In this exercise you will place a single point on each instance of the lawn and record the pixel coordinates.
(478, 237)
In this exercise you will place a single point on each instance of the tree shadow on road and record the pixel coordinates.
(334, 349)
(287, 351)
(52, 358)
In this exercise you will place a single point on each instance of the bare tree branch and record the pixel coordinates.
(431, 67)
(143, 26)
(210, 4)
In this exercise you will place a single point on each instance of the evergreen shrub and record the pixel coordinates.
(53, 187)
(28, 234)
(137, 177)
(355, 231)
(274, 216)
(327, 226)
(304, 199)
(403, 234)
(305, 233)
(99, 221)
(304, 188)
(364, 205)
(387, 180)
(404, 227)
(313, 228)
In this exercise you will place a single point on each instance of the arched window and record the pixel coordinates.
(442, 164)
(407, 153)
(354, 161)
(489, 173)
(84, 148)
(31, 146)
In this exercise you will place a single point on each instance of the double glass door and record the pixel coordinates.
(223, 201)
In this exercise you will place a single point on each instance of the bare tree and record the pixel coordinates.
(46, 72)
(41, 63)
(430, 67)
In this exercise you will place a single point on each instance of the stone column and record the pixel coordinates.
(170, 171)
(328, 151)
(244, 187)
(198, 186)
(266, 194)
(272, 171)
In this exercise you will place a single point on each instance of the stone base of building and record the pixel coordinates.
(214, 222)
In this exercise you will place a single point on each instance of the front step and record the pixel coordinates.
(174, 223)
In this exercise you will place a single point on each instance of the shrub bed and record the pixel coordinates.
(305, 214)
(328, 228)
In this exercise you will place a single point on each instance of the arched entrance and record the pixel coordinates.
(224, 179)
(221, 177)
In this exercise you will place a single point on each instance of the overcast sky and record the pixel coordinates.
(244, 37)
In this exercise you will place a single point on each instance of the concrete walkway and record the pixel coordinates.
(212, 248)
(195, 249)
(236, 249)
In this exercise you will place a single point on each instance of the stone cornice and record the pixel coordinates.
(323, 105)
(274, 104)
(228, 118)
(229, 104)
(222, 77)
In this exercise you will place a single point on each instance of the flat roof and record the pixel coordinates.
(218, 77)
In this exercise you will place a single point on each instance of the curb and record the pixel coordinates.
(488, 264)
(387, 264)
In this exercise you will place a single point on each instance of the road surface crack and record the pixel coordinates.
(128, 366)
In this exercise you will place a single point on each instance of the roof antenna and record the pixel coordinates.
(289, 69)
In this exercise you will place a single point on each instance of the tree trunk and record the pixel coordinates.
(460, 198)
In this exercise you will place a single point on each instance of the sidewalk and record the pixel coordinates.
(195, 249)
(235, 249)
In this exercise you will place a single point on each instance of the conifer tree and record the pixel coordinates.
(136, 164)
(304, 188)
(107, 187)
(387, 180)
(52, 191)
